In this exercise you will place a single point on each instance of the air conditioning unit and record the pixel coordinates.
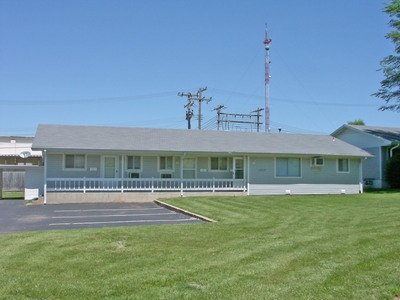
(369, 182)
(134, 175)
(317, 161)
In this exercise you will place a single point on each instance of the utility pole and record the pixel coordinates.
(258, 111)
(189, 112)
(198, 97)
(218, 109)
(188, 106)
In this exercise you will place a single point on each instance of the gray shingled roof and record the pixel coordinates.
(388, 133)
(123, 139)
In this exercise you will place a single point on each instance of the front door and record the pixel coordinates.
(189, 168)
(110, 167)
(238, 168)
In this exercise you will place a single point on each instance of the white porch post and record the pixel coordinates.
(122, 173)
(181, 175)
(45, 176)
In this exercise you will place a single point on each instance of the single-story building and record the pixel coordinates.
(93, 163)
(16, 150)
(382, 142)
(16, 158)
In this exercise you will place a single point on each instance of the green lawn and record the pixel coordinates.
(13, 195)
(281, 247)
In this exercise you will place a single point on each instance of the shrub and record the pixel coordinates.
(393, 172)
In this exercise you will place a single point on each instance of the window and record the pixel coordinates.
(166, 163)
(343, 165)
(74, 161)
(166, 176)
(288, 167)
(219, 164)
(134, 163)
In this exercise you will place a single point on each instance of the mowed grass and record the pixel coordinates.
(13, 195)
(281, 247)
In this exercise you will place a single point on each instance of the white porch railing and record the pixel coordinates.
(143, 184)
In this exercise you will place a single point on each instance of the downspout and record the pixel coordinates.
(395, 147)
(45, 177)
(380, 162)
(1, 184)
(248, 176)
(360, 172)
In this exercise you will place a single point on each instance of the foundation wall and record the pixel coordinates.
(107, 197)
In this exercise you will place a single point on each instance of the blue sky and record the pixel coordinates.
(122, 63)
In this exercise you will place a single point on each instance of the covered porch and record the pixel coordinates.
(61, 190)
(123, 177)
(143, 185)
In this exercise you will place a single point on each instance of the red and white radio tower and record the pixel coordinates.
(267, 41)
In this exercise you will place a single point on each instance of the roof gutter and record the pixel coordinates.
(394, 147)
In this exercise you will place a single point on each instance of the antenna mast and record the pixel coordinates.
(267, 41)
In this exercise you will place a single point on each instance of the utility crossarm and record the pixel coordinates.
(243, 122)
(197, 97)
(239, 115)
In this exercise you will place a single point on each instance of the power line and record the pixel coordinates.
(210, 124)
(84, 101)
(258, 97)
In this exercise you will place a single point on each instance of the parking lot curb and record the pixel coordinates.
(183, 211)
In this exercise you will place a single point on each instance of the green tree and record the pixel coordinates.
(356, 122)
(393, 172)
(390, 65)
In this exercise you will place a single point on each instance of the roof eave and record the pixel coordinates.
(345, 126)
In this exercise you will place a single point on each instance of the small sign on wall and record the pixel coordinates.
(31, 194)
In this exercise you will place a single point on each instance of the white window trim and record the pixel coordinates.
(213, 170)
(165, 170)
(301, 168)
(73, 169)
(134, 170)
(337, 165)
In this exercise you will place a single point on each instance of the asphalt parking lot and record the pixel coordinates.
(15, 216)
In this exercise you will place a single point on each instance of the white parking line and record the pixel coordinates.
(118, 222)
(108, 216)
(105, 209)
